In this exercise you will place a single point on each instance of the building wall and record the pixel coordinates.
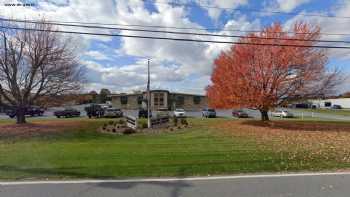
(132, 102)
(344, 102)
(189, 103)
(170, 101)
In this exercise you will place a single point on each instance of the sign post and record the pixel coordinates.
(149, 125)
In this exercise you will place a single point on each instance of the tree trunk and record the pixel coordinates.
(264, 115)
(20, 115)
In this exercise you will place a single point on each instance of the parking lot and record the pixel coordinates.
(49, 113)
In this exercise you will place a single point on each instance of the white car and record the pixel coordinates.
(179, 113)
(282, 114)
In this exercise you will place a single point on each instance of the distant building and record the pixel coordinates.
(327, 103)
(160, 99)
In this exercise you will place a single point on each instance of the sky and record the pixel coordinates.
(120, 63)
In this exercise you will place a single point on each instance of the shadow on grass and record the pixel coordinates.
(299, 125)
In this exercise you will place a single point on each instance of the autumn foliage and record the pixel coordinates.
(266, 74)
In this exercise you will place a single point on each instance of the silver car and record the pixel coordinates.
(282, 114)
(209, 113)
(113, 112)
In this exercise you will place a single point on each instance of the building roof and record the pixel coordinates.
(155, 90)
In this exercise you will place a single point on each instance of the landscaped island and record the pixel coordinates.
(73, 148)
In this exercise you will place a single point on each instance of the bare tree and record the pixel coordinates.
(34, 64)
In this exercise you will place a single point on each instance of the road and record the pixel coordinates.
(220, 113)
(287, 185)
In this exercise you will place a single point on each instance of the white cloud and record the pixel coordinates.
(337, 26)
(284, 5)
(290, 5)
(173, 64)
(216, 7)
(97, 55)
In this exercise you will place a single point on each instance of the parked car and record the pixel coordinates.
(29, 111)
(95, 110)
(336, 107)
(239, 113)
(209, 113)
(143, 113)
(179, 113)
(282, 114)
(113, 112)
(162, 112)
(68, 112)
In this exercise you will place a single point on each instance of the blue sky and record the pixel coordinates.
(120, 63)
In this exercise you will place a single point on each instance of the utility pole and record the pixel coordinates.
(148, 98)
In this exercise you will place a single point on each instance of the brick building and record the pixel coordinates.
(160, 99)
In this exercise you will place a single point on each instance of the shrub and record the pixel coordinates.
(144, 125)
(175, 121)
(121, 121)
(129, 131)
(142, 122)
(184, 121)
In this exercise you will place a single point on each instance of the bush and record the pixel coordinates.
(129, 131)
(175, 121)
(144, 125)
(142, 122)
(104, 126)
(121, 121)
(184, 122)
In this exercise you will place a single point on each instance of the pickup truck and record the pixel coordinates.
(68, 112)
(29, 111)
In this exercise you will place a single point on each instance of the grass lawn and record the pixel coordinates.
(341, 112)
(211, 146)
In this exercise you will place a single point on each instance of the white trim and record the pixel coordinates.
(175, 179)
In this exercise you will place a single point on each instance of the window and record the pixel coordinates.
(158, 99)
(139, 100)
(196, 100)
(327, 104)
(180, 100)
(124, 100)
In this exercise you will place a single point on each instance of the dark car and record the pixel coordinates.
(336, 107)
(68, 112)
(209, 113)
(95, 110)
(28, 111)
(143, 113)
(239, 114)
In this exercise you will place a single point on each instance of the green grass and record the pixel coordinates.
(84, 153)
(340, 112)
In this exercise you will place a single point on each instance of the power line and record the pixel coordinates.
(249, 10)
(184, 28)
(174, 32)
(177, 39)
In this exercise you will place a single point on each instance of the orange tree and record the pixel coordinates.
(272, 71)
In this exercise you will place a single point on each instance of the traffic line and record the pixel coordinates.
(175, 179)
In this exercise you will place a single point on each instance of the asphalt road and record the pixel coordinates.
(293, 185)
(220, 113)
